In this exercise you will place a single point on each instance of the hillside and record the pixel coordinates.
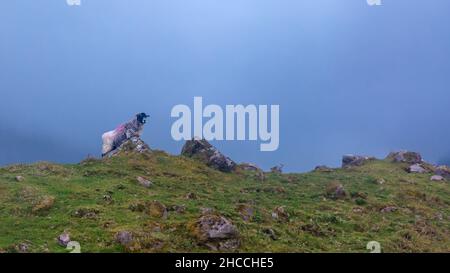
(105, 207)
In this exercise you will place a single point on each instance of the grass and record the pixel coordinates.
(93, 201)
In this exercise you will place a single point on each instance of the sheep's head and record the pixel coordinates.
(141, 118)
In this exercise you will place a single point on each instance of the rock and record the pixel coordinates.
(335, 191)
(246, 212)
(323, 168)
(157, 209)
(191, 196)
(43, 204)
(355, 160)
(64, 239)
(177, 208)
(216, 232)
(280, 214)
(125, 238)
(202, 150)
(250, 167)
(443, 171)
(416, 168)
(389, 209)
(134, 144)
(381, 181)
(405, 157)
(107, 198)
(437, 178)
(271, 233)
(144, 182)
(88, 213)
(20, 178)
(22, 248)
(277, 169)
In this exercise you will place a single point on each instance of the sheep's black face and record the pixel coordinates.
(142, 118)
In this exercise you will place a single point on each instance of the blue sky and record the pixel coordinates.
(349, 78)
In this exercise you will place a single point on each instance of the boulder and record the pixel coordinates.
(405, 157)
(215, 232)
(355, 160)
(20, 178)
(157, 209)
(144, 182)
(134, 144)
(246, 211)
(43, 204)
(443, 171)
(202, 150)
(271, 233)
(416, 168)
(389, 209)
(437, 178)
(125, 238)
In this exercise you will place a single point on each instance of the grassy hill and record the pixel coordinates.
(96, 199)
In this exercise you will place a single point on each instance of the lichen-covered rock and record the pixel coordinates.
(134, 144)
(43, 204)
(389, 209)
(144, 182)
(138, 241)
(437, 178)
(280, 214)
(250, 167)
(157, 209)
(215, 232)
(20, 178)
(355, 160)
(202, 150)
(335, 191)
(323, 168)
(443, 171)
(63, 239)
(416, 168)
(405, 157)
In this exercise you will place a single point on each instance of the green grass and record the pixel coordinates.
(316, 223)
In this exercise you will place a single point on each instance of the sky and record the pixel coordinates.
(349, 77)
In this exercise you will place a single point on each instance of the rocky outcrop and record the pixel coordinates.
(416, 168)
(335, 191)
(405, 157)
(443, 171)
(134, 144)
(350, 160)
(202, 150)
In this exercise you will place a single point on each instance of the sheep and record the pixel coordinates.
(133, 128)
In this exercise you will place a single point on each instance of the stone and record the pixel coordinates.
(350, 160)
(280, 214)
(271, 233)
(202, 150)
(20, 178)
(157, 209)
(125, 238)
(23, 248)
(405, 157)
(206, 211)
(323, 168)
(250, 167)
(416, 168)
(134, 144)
(335, 191)
(389, 209)
(43, 204)
(215, 232)
(64, 239)
(437, 178)
(443, 171)
(144, 182)
(277, 169)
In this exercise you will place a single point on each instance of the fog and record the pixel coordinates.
(349, 77)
